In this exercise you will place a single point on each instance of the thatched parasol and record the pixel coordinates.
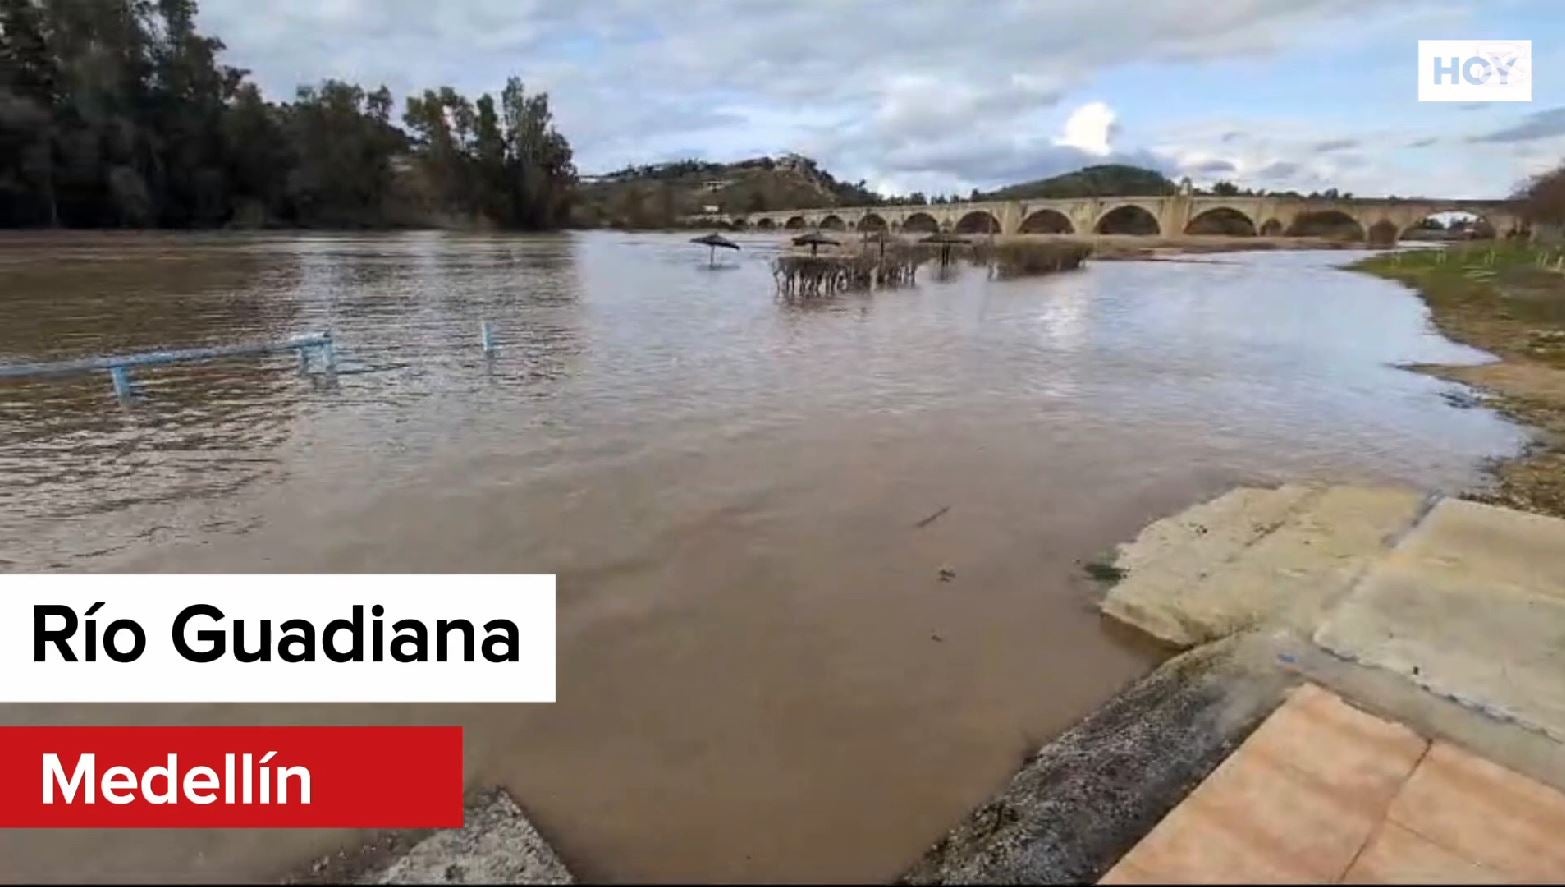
(714, 240)
(814, 240)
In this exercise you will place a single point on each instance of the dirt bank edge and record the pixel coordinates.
(1509, 300)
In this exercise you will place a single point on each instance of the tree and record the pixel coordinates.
(258, 156)
(343, 175)
(1225, 189)
(442, 124)
(1542, 197)
(541, 172)
(104, 147)
(120, 112)
(189, 96)
(28, 82)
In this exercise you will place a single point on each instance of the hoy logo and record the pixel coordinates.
(1475, 70)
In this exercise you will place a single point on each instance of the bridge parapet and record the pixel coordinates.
(1173, 213)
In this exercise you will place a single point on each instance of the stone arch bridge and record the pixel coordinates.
(1381, 220)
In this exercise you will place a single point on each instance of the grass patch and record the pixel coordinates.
(1103, 569)
(1025, 258)
(1508, 299)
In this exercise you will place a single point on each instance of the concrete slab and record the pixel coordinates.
(1470, 606)
(496, 846)
(1188, 544)
(1172, 556)
(1283, 558)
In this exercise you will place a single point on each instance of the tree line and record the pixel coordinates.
(118, 113)
(1542, 197)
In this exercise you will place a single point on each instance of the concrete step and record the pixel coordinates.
(1254, 556)
(1470, 606)
(1172, 556)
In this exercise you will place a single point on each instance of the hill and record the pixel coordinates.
(1105, 180)
(654, 196)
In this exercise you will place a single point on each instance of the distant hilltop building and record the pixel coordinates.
(796, 162)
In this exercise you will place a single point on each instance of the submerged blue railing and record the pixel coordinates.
(317, 354)
(316, 345)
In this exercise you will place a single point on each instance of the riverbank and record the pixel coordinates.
(1508, 300)
(1431, 620)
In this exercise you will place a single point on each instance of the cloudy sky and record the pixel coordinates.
(947, 95)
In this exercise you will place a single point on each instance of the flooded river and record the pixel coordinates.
(761, 673)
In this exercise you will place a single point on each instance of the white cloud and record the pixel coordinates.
(1089, 129)
(938, 96)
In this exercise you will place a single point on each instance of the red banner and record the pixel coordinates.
(230, 777)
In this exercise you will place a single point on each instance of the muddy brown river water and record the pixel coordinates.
(761, 673)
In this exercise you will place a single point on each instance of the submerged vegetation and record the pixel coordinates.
(1023, 258)
(1508, 299)
(891, 261)
(813, 276)
(117, 113)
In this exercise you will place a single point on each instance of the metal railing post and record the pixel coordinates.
(120, 376)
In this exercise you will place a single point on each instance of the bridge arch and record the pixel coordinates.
(832, 222)
(1383, 233)
(794, 222)
(766, 224)
(922, 222)
(1224, 220)
(1127, 218)
(979, 221)
(872, 222)
(1469, 223)
(740, 223)
(1272, 228)
(1047, 221)
(1333, 224)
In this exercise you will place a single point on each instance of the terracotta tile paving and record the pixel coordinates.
(1491, 815)
(1325, 792)
(1398, 856)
